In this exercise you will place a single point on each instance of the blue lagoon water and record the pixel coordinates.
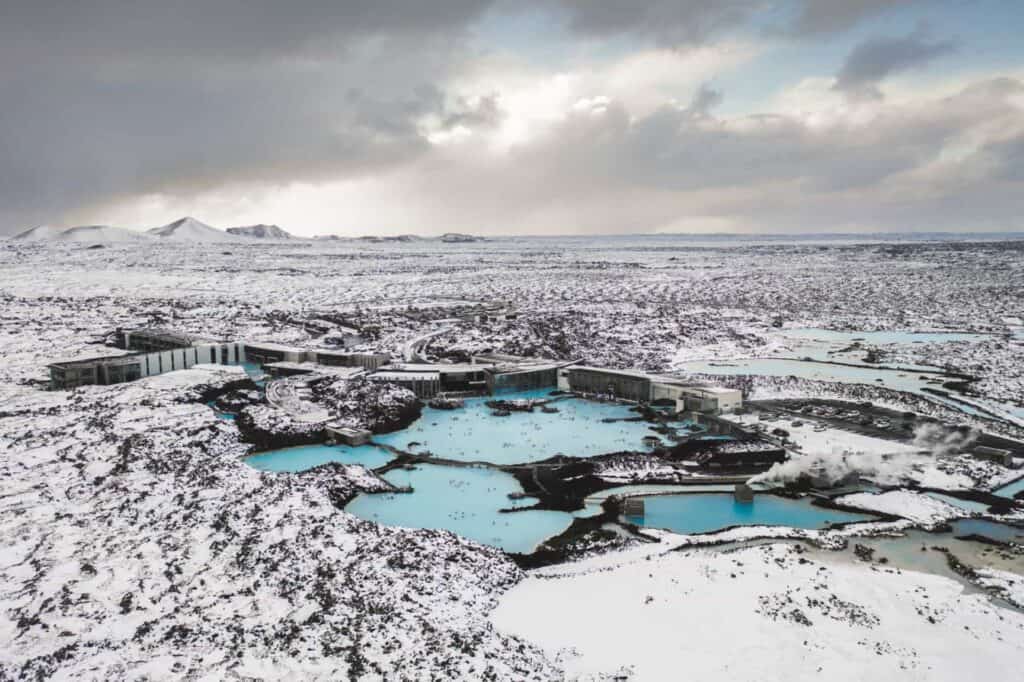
(988, 529)
(1011, 489)
(706, 512)
(464, 500)
(308, 456)
(471, 434)
(968, 506)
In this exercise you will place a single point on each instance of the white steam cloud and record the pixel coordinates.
(933, 441)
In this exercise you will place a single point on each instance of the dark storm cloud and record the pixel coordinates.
(114, 98)
(874, 59)
(680, 22)
(102, 100)
(217, 28)
(825, 16)
(611, 171)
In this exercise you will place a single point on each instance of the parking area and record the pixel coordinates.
(863, 419)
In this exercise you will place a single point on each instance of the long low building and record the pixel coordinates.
(623, 384)
(423, 384)
(636, 386)
(452, 378)
(117, 369)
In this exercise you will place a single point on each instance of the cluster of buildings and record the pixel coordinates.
(640, 387)
(153, 351)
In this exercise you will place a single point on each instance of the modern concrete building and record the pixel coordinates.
(510, 378)
(151, 339)
(370, 361)
(264, 352)
(990, 454)
(709, 399)
(453, 378)
(423, 384)
(111, 369)
(289, 369)
(348, 435)
(116, 369)
(621, 383)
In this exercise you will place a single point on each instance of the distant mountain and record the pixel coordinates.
(395, 238)
(83, 233)
(38, 234)
(101, 233)
(457, 238)
(191, 230)
(261, 232)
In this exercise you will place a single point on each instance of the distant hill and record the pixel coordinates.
(457, 238)
(82, 233)
(395, 238)
(37, 234)
(261, 232)
(191, 230)
(101, 233)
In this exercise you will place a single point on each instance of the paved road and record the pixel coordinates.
(411, 349)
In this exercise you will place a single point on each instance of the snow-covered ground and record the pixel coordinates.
(137, 542)
(761, 613)
(917, 507)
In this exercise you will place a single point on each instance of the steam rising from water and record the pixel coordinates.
(934, 441)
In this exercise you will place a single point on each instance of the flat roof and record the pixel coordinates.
(346, 353)
(168, 334)
(460, 368)
(269, 345)
(86, 362)
(721, 390)
(636, 374)
(314, 367)
(523, 369)
(405, 376)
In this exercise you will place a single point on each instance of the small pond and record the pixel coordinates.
(1010, 490)
(464, 500)
(305, 457)
(706, 512)
(989, 529)
(968, 506)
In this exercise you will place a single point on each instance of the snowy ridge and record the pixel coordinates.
(261, 232)
(191, 230)
(83, 233)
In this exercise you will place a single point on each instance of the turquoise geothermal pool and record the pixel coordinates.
(707, 512)
(464, 500)
(472, 434)
(468, 500)
(305, 457)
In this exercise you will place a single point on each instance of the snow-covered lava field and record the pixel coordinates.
(138, 543)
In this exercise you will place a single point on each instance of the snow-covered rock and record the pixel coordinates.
(40, 233)
(377, 406)
(191, 230)
(84, 233)
(907, 504)
(260, 231)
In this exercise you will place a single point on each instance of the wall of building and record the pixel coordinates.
(505, 382)
(105, 371)
(625, 386)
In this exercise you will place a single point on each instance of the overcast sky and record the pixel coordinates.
(514, 116)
